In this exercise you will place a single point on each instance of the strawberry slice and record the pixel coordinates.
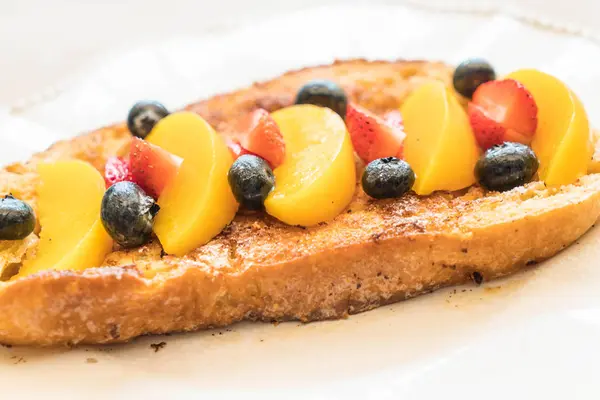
(259, 135)
(236, 148)
(487, 131)
(393, 118)
(152, 168)
(502, 111)
(374, 137)
(116, 170)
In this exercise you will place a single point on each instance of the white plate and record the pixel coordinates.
(536, 335)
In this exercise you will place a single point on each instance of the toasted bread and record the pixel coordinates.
(376, 252)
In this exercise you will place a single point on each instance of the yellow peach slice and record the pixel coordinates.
(197, 204)
(562, 140)
(594, 164)
(439, 145)
(317, 178)
(72, 235)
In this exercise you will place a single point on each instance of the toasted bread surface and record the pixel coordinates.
(376, 252)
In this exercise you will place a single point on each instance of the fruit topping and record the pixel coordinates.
(562, 141)
(324, 93)
(374, 137)
(439, 146)
(235, 148)
(393, 118)
(503, 111)
(251, 180)
(259, 135)
(506, 166)
(128, 213)
(387, 178)
(152, 168)
(143, 116)
(594, 164)
(116, 170)
(470, 74)
(198, 203)
(318, 176)
(72, 235)
(17, 219)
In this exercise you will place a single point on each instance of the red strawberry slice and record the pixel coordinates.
(394, 119)
(502, 111)
(487, 131)
(152, 168)
(259, 134)
(116, 170)
(374, 137)
(236, 148)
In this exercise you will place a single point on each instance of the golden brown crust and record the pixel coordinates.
(375, 253)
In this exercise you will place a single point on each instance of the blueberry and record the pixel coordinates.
(324, 94)
(506, 166)
(143, 116)
(251, 180)
(387, 178)
(128, 213)
(470, 74)
(17, 220)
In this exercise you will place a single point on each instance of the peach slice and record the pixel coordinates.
(317, 178)
(594, 164)
(562, 140)
(197, 203)
(439, 145)
(72, 235)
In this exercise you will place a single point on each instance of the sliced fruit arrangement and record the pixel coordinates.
(258, 134)
(503, 111)
(185, 183)
(72, 235)
(317, 178)
(151, 167)
(198, 203)
(562, 141)
(440, 145)
(374, 137)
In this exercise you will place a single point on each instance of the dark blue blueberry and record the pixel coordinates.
(17, 219)
(143, 116)
(324, 93)
(251, 180)
(506, 166)
(128, 213)
(387, 178)
(470, 74)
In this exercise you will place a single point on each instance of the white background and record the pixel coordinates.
(44, 42)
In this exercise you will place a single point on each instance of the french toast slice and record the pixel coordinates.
(376, 252)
